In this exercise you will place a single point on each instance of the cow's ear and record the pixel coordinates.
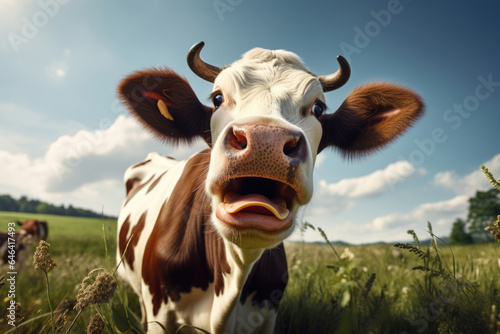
(165, 103)
(371, 116)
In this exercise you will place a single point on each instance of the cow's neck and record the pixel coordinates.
(226, 305)
(184, 252)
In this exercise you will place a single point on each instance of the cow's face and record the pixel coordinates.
(266, 126)
(265, 135)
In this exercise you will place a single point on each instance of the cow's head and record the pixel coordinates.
(268, 122)
(37, 229)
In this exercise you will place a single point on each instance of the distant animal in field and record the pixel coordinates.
(32, 231)
(397, 254)
(204, 236)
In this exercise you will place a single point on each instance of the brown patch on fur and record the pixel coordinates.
(155, 182)
(139, 164)
(183, 252)
(122, 238)
(136, 234)
(130, 183)
(136, 187)
(365, 122)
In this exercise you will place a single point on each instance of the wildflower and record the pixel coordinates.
(41, 258)
(100, 291)
(391, 267)
(404, 290)
(347, 254)
(96, 325)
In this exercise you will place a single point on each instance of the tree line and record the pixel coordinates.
(484, 210)
(24, 204)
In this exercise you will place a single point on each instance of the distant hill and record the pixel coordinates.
(24, 204)
(425, 242)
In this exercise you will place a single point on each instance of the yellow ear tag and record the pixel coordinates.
(164, 110)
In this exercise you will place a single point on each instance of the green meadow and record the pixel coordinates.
(332, 289)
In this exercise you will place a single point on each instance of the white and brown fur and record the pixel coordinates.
(186, 265)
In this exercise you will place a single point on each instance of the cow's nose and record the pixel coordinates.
(276, 142)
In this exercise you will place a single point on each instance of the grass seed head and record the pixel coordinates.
(369, 285)
(41, 258)
(100, 291)
(96, 325)
(495, 229)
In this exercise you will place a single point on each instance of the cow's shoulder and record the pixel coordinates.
(148, 185)
(183, 251)
(144, 171)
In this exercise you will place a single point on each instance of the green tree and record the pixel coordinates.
(483, 209)
(458, 234)
(7, 203)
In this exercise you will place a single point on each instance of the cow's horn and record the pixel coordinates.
(199, 67)
(338, 79)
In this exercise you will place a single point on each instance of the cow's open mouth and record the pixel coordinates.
(253, 202)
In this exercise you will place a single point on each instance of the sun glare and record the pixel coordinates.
(10, 12)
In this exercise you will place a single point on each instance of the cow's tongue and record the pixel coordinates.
(255, 203)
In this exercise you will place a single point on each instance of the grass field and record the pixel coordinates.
(424, 292)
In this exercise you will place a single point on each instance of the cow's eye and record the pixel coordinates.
(218, 99)
(318, 108)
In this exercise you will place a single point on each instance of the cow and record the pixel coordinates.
(32, 230)
(202, 239)
(38, 229)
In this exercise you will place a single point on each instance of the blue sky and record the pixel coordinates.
(64, 137)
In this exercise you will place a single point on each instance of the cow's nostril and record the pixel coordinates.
(293, 147)
(237, 139)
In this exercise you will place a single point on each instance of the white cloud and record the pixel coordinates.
(341, 196)
(85, 168)
(392, 227)
(442, 213)
(469, 183)
(370, 184)
(436, 213)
